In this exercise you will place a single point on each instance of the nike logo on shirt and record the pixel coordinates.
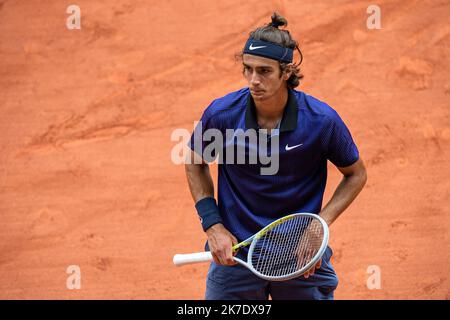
(293, 147)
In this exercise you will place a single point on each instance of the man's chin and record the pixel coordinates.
(258, 95)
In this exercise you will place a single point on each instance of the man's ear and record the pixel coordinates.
(288, 71)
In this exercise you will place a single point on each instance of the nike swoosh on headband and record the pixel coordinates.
(254, 48)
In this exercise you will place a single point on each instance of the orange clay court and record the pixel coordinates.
(86, 116)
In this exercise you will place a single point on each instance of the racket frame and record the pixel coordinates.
(252, 241)
(181, 259)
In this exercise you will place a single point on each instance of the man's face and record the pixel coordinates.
(263, 76)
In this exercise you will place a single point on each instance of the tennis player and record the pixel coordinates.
(309, 133)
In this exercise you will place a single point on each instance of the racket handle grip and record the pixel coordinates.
(182, 259)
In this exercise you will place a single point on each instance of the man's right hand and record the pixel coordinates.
(220, 242)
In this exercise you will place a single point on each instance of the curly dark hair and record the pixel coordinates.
(271, 33)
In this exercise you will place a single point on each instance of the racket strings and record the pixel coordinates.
(288, 247)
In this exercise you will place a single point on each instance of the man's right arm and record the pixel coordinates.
(220, 240)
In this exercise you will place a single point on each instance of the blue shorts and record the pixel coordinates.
(238, 283)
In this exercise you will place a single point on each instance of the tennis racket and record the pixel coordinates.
(285, 249)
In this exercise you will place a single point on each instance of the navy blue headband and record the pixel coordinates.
(268, 50)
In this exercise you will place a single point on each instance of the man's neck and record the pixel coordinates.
(269, 112)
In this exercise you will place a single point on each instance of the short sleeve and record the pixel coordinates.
(196, 142)
(338, 143)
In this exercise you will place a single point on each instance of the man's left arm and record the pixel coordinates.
(355, 177)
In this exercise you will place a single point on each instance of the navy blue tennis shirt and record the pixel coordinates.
(310, 133)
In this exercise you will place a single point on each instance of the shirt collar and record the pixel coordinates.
(288, 122)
